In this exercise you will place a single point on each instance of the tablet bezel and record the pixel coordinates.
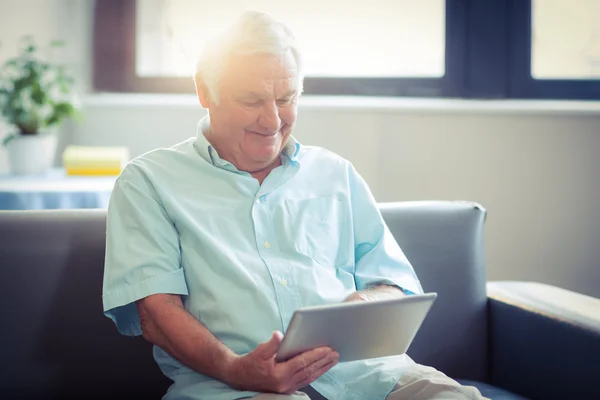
(289, 346)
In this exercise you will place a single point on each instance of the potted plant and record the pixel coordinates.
(36, 97)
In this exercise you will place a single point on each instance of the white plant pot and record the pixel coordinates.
(31, 154)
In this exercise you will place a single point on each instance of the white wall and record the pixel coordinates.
(535, 171)
(45, 21)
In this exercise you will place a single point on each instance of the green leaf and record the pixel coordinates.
(61, 111)
(34, 92)
(37, 94)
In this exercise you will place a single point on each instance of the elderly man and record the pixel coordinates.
(213, 243)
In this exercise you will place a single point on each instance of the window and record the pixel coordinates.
(565, 39)
(555, 49)
(442, 48)
(170, 33)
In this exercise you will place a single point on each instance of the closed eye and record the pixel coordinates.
(285, 102)
(251, 103)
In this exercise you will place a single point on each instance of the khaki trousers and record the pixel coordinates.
(418, 383)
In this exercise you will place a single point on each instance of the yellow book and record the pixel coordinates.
(93, 171)
(95, 160)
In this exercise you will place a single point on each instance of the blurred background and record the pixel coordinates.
(492, 101)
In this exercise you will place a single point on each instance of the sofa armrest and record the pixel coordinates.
(544, 341)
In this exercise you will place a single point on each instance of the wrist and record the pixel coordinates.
(364, 295)
(383, 292)
(393, 290)
(357, 296)
(228, 369)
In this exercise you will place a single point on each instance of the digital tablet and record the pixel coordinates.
(357, 330)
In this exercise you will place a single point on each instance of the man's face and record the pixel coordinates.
(257, 110)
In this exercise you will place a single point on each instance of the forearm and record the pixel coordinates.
(167, 324)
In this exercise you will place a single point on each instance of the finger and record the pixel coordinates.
(306, 377)
(307, 358)
(299, 385)
(352, 298)
(333, 357)
(311, 369)
(320, 371)
(301, 379)
(357, 296)
(269, 349)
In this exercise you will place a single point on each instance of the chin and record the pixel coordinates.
(267, 158)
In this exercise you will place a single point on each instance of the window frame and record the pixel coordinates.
(114, 53)
(486, 58)
(114, 62)
(522, 84)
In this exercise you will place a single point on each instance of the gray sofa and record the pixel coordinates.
(526, 338)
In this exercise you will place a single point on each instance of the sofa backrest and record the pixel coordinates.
(444, 243)
(56, 343)
(55, 337)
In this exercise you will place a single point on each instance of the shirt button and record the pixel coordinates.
(283, 282)
(267, 245)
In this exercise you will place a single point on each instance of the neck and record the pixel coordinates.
(260, 175)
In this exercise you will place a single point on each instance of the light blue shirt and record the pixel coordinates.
(245, 256)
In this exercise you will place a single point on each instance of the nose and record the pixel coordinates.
(269, 119)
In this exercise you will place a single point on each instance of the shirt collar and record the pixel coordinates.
(209, 153)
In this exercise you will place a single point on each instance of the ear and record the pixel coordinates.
(202, 92)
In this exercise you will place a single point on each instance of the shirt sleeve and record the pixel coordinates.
(142, 253)
(379, 260)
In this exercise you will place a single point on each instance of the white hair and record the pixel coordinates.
(254, 33)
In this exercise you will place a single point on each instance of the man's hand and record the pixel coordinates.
(380, 292)
(259, 372)
(358, 296)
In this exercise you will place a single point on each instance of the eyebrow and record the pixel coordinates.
(290, 93)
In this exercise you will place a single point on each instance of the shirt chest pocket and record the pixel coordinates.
(320, 228)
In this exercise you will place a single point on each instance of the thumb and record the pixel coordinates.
(269, 349)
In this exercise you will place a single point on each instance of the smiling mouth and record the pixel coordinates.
(263, 135)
